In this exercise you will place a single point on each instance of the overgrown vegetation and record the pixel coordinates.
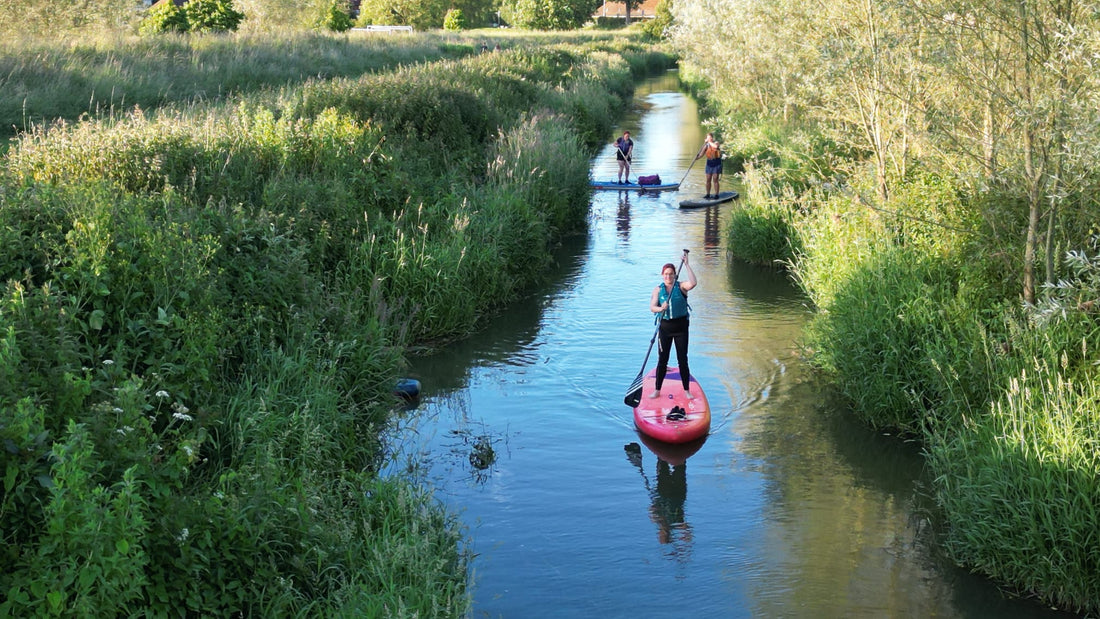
(928, 172)
(206, 308)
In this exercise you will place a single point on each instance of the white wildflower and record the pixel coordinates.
(162, 394)
(184, 534)
(108, 362)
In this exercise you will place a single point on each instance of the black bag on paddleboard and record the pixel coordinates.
(651, 179)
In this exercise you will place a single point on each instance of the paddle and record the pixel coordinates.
(686, 172)
(634, 392)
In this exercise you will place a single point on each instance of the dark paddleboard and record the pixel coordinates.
(725, 196)
(633, 186)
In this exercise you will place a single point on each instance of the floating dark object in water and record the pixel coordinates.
(407, 388)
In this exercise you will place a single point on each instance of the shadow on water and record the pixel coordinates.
(510, 338)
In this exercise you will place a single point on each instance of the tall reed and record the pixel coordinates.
(209, 307)
(1018, 485)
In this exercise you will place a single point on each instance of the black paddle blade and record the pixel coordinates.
(634, 393)
(634, 398)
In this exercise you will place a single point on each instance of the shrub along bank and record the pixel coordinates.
(919, 325)
(205, 309)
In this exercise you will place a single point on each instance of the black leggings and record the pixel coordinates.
(673, 330)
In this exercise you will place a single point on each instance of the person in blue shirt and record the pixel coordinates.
(669, 300)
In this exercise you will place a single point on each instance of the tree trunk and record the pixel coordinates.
(989, 138)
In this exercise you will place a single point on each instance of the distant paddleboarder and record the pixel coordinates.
(624, 150)
(712, 150)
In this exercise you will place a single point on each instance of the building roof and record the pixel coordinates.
(618, 9)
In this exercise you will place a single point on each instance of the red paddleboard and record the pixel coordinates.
(655, 417)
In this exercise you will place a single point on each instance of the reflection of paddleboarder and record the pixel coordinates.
(711, 236)
(666, 507)
(622, 218)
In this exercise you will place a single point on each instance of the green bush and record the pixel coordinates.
(164, 17)
(212, 15)
(335, 18)
(548, 15)
(454, 20)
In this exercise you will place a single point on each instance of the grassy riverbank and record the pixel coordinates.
(920, 324)
(206, 305)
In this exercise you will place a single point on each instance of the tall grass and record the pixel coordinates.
(44, 82)
(916, 332)
(1018, 484)
(764, 231)
(206, 308)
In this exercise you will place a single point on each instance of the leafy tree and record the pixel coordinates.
(332, 16)
(454, 20)
(164, 17)
(1024, 66)
(212, 15)
(476, 13)
(420, 14)
(548, 14)
(658, 27)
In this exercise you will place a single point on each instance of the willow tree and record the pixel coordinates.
(753, 52)
(1023, 63)
(871, 83)
(849, 65)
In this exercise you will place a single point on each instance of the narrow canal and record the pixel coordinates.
(789, 508)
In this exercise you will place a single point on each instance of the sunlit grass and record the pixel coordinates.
(264, 261)
(1018, 484)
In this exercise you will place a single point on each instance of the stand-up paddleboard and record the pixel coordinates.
(725, 196)
(615, 185)
(661, 417)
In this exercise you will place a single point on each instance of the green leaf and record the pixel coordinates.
(9, 478)
(54, 599)
(96, 320)
(122, 546)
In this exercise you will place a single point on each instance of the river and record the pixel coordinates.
(790, 508)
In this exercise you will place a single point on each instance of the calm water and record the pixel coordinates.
(788, 509)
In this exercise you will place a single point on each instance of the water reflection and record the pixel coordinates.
(711, 237)
(666, 507)
(622, 216)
